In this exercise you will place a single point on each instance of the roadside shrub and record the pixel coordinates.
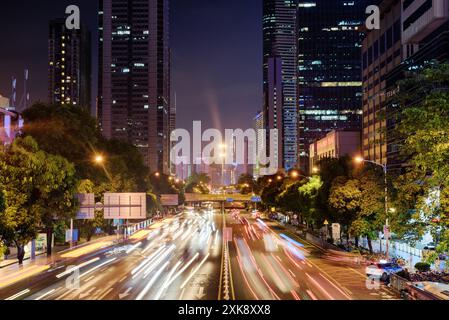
(422, 266)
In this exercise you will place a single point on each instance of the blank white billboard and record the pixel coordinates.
(125, 206)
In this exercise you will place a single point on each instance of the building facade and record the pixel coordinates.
(382, 53)
(69, 65)
(425, 38)
(258, 125)
(335, 144)
(134, 77)
(413, 33)
(329, 69)
(279, 46)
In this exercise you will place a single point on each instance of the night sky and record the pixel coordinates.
(216, 63)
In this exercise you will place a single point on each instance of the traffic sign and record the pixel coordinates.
(229, 200)
(256, 199)
(125, 206)
(87, 206)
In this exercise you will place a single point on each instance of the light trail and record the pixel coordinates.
(159, 260)
(194, 271)
(134, 247)
(279, 262)
(19, 294)
(183, 269)
(45, 294)
(165, 285)
(97, 267)
(152, 256)
(152, 281)
(68, 271)
(320, 287)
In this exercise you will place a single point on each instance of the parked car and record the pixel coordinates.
(382, 270)
(431, 246)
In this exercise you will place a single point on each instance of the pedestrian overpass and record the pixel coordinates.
(223, 199)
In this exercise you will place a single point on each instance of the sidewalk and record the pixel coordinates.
(14, 273)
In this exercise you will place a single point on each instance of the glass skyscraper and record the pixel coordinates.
(279, 41)
(134, 80)
(329, 69)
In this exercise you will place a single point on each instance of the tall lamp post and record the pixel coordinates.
(384, 167)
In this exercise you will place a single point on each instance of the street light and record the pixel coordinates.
(294, 174)
(99, 159)
(157, 174)
(315, 170)
(384, 168)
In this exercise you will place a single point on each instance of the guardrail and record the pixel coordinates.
(408, 291)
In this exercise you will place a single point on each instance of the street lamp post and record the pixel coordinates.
(384, 168)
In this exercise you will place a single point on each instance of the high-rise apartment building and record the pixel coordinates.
(273, 113)
(279, 46)
(69, 65)
(382, 53)
(258, 125)
(412, 34)
(329, 69)
(134, 77)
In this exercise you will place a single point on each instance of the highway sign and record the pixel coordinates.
(87, 206)
(169, 199)
(125, 206)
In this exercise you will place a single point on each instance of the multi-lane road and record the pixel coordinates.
(201, 255)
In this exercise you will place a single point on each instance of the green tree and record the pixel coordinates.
(30, 179)
(197, 183)
(308, 195)
(246, 184)
(423, 114)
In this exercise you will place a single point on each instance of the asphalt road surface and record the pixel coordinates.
(202, 255)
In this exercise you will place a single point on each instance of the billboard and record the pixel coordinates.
(169, 199)
(87, 206)
(125, 206)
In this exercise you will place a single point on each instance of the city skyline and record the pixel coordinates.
(223, 91)
(241, 150)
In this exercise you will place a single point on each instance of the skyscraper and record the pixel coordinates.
(134, 80)
(382, 53)
(274, 101)
(69, 65)
(279, 42)
(258, 125)
(412, 34)
(329, 69)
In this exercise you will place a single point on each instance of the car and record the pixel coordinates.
(431, 246)
(382, 270)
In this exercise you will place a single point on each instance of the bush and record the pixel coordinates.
(422, 267)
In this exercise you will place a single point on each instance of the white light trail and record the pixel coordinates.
(165, 285)
(153, 255)
(21, 293)
(97, 267)
(68, 271)
(152, 281)
(183, 269)
(45, 294)
(194, 271)
(134, 247)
